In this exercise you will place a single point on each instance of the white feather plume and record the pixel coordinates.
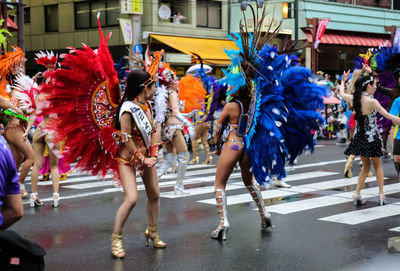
(23, 91)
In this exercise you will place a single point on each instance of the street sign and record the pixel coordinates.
(131, 6)
(138, 49)
(126, 27)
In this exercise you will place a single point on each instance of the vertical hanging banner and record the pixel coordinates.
(320, 31)
(131, 6)
(126, 27)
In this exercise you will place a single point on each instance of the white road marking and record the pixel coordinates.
(300, 189)
(365, 215)
(324, 201)
(210, 189)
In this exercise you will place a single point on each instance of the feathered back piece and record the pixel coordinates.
(3, 38)
(284, 102)
(218, 96)
(46, 58)
(13, 60)
(24, 90)
(153, 68)
(191, 90)
(82, 99)
(388, 59)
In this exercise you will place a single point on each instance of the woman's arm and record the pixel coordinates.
(223, 118)
(126, 130)
(31, 121)
(383, 112)
(347, 97)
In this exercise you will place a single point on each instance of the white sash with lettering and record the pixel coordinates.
(140, 118)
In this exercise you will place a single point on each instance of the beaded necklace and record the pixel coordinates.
(142, 105)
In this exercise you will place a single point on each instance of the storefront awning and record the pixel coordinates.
(351, 38)
(210, 50)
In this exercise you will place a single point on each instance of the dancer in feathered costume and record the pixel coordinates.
(43, 136)
(50, 61)
(172, 127)
(193, 89)
(88, 90)
(388, 60)
(269, 120)
(17, 129)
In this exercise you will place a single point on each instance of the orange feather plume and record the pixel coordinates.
(7, 62)
(191, 91)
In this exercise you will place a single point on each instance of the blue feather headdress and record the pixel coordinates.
(285, 102)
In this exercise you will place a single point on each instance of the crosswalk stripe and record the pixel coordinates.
(300, 189)
(210, 189)
(161, 183)
(109, 177)
(119, 189)
(397, 229)
(324, 201)
(365, 215)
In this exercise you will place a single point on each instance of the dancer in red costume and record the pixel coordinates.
(50, 61)
(88, 90)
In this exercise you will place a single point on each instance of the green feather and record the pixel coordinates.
(3, 38)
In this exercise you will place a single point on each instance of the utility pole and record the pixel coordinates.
(296, 21)
(314, 54)
(20, 18)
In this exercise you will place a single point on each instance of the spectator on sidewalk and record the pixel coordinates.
(11, 209)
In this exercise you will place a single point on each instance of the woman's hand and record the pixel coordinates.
(346, 75)
(366, 68)
(217, 152)
(150, 162)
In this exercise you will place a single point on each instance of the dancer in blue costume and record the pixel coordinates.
(274, 108)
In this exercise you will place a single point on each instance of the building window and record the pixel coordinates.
(86, 13)
(208, 14)
(27, 15)
(51, 18)
(287, 10)
(396, 4)
(177, 6)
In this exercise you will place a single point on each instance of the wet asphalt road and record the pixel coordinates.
(76, 236)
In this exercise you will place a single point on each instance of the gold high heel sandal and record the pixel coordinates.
(348, 166)
(209, 158)
(195, 149)
(152, 233)
(116, 246)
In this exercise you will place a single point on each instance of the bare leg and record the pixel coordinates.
(21, 149)
(38, 146)
(204, 137)
(225, 166)
(255, 192)
(128, 180)
(150, 181)
(53, 161)
(366, 165)
(376, 161)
